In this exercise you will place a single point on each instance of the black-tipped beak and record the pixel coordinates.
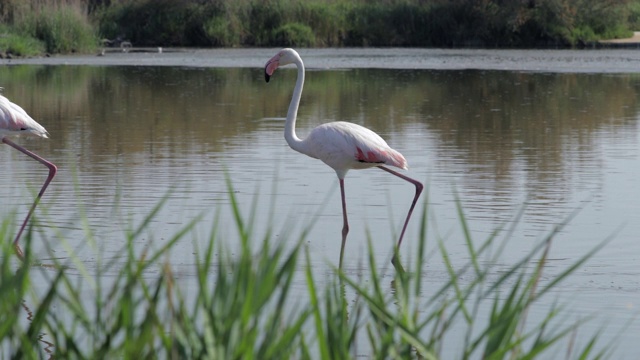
(270, 68)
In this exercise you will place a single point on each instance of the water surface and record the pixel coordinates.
(499, 141)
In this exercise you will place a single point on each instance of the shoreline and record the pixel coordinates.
(633, 40)
(566, 61)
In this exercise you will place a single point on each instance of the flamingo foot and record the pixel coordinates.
(19, 251)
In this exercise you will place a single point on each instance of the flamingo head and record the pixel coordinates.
(283, 57)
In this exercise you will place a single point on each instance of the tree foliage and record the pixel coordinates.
(423, 23)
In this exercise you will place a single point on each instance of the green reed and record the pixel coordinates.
(62, 29)
(365, 23)
(132, 305)
(19, 44)
(76, 25)
(35, 27)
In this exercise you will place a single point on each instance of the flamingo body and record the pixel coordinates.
(345, 146)
(14, 122)
(341, 145)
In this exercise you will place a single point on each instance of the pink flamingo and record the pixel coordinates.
(14, 121)
(341, 145)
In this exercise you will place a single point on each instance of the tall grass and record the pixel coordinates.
(365, 23)
(244, 306)
(67, 26)
(61, 29)
(14, 42)
(48, 26)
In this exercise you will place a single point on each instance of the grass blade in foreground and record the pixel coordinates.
(245, 306)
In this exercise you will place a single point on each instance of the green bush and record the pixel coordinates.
(217, 30)
(20, 45)
(327, 20)
(367, 26)
(69, 26)
(62, 30)
(153, 23)
(294, 34)
(633, 16)
(262, 18)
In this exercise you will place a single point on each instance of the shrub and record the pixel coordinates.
(294, 34)
(261, 19)
(152, 23)
(20, 45)
(64, 26)
(367, 26)
(327, 20)
(219, 32)
(633, 15)
(61, 29)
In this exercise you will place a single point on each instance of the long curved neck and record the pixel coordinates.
(290, 126)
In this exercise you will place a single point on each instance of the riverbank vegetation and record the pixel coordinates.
(66, 26)
(266, 300)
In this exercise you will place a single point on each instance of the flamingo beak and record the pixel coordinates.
(270, 68)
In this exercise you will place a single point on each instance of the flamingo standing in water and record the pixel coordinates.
(14, 121)
(341, 145)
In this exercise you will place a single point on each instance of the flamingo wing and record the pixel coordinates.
(345, 146)
(15, 121)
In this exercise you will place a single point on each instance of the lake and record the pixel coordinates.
(547, 133)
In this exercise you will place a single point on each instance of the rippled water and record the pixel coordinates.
(499, 141)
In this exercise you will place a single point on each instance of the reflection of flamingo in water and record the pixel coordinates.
(14, 121)
(48, 346)
(341, 145)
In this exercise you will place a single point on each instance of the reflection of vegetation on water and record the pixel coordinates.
(50, 89)
(502, 126)
(508, 126)
(249, 305)
(490, 118)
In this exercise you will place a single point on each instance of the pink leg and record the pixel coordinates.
(52, 172)
(345, 226)
(419, 188)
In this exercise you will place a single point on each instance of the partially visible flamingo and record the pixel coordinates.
(14, 121)
(341, 145)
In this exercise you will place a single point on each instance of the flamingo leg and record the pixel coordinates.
(52, 172)
(345, 226)
(419, 188)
